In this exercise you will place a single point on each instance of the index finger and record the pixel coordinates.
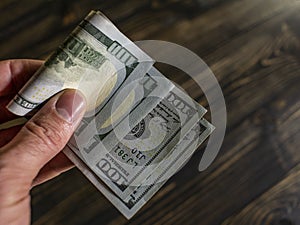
(15, 73)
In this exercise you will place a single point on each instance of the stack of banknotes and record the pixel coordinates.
(139, 129)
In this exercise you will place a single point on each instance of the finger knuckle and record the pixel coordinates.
(45, 134)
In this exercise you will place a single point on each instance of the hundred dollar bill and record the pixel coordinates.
(153, 181)
(162, 151)
(124, 162)
(103, 126)
(172, 153)
(175, 159)
(89, 137)
(96, 58)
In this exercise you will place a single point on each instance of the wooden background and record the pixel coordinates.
(252, 46)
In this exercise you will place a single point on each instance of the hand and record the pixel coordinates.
(31, 154)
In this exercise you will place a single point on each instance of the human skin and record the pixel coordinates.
(31, 154)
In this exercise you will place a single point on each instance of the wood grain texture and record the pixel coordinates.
(280, 205)
(253, 48)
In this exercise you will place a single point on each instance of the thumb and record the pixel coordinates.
(46, 134)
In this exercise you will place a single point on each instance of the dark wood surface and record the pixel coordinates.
(253, 48)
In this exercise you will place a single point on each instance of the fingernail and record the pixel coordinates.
(70, 105)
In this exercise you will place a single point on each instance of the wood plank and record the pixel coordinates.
(252, 62)
(279, 205)
(249, 45)
(16, 14)
(246, 142)
(212, 29)
(35, 17)
(158, 27)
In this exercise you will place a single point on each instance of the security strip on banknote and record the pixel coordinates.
(139, 128)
